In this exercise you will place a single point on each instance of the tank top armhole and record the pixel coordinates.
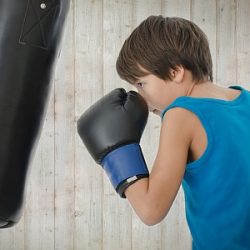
(200, 162)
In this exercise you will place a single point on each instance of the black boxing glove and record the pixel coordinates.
(111, 130)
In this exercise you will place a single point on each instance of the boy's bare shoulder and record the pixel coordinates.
(183, 119)
(188, 128)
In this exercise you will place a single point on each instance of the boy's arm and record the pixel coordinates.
(152, 197)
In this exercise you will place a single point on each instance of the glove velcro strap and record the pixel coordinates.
(124, 166)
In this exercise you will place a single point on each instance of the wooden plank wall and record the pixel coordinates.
(70, 203)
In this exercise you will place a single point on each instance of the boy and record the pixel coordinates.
(168, 60)
(204, 140)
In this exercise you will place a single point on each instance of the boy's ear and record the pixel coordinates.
(177, 74)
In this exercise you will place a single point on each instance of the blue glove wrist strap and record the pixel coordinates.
(124, 166)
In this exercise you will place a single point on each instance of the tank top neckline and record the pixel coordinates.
(216, 99)
(209, 99)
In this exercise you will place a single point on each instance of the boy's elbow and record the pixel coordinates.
(150, 221)
(150, 217)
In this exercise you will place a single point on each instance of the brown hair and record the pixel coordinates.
(160, 44)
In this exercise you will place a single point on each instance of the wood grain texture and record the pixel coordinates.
(70, 202)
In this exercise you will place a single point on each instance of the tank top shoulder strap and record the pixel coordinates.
(180, 102)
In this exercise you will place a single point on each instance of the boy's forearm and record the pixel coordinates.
(145, 202)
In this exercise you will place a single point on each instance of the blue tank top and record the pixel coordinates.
(217, 185)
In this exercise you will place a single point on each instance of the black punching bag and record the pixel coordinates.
(30, 34)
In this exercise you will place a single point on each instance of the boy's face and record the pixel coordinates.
(158, 93)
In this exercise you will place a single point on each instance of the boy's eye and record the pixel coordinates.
(139, 84)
